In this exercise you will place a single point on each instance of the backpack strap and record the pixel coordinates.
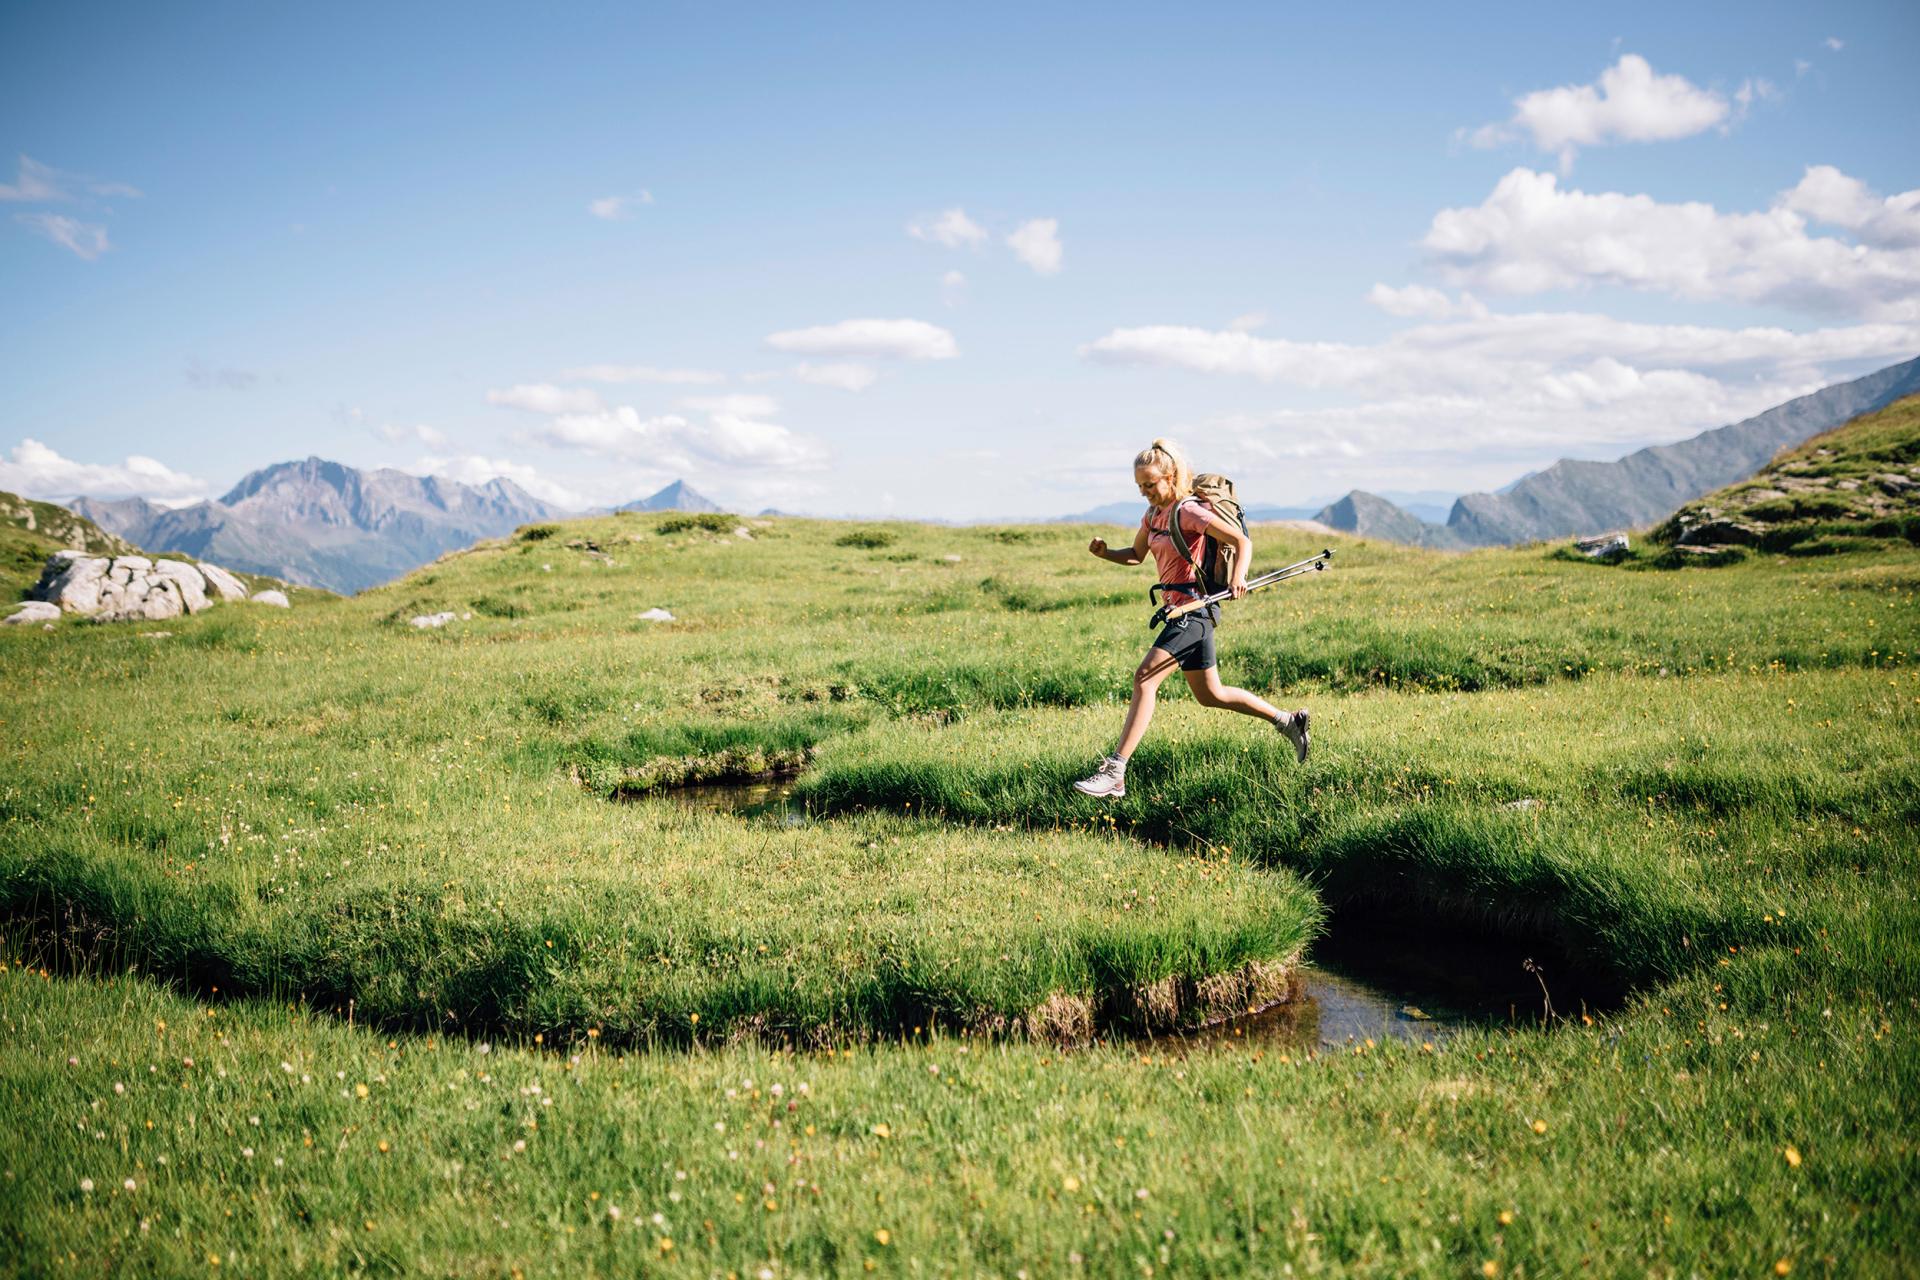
(1180, 539)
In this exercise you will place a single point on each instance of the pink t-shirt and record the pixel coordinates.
(1172, 566)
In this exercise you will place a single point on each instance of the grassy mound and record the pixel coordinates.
(1844, 489)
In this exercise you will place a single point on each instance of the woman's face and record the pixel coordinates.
(1155, 486)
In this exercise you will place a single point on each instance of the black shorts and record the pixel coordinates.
(1190, 640)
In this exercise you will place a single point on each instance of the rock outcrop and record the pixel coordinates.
(119, 588)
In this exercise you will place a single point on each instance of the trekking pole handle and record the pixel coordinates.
(1311, 564)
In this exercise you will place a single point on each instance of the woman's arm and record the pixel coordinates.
(1131, 556)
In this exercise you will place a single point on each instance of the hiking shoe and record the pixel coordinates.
(1109, 781)
(1293, 724)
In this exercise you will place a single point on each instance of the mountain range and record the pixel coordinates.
(1573, 497)
(326, 524)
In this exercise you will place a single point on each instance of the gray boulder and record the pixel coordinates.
(187, 580)
(278, 599)
(120, 588)
(32, 611)
(222, 583)
(71, 581)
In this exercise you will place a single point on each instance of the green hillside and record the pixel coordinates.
(354, 946)
(31, 531)
(1854, 486)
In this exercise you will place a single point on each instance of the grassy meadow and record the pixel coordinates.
(333, 944)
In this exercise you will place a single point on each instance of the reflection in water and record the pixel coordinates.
(766, 797)
(1331, 1010)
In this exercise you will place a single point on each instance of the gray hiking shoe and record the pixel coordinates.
(1109, 781)
(1293, 724)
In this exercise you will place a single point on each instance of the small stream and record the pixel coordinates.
(1371, 979)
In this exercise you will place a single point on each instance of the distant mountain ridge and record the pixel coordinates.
(326, 524)
(678, 496)
(1368, 515)
(1573, 497)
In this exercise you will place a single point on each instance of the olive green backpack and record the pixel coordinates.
(1215, 563)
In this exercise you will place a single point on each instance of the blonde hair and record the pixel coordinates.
(1164, 456)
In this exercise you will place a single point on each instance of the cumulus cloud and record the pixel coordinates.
(1828, 196)
(846, 377)
(1530, 235)
(1037, 243)
(869, 340)
(1629, 103)
(952, 228)
(43, 184)
(614, 208)
(642, 373)
(37, 471)
(544, 397)
(475, 469)
(87, 240)
(676, 442)
(1250, 321)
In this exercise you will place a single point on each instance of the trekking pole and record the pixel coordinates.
(1312, 564)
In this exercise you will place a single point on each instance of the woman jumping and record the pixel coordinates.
(1166, 482)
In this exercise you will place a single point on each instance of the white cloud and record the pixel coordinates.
(743, 405)
(1751, 91)
(1252, 320)
(1037, 243)
(544, 397)
(1829, 196)
(1630, 103)
(1598, 408)
(1530, 236)
(1835, 43)
(1482, 354)
(847, 377)
(642, 373)
(614, 208)
(36, 471)
(870, 340)
(42, 184)
(1801, 66)
(86, 239)
(673, 442)
(952, 228)
(474, 469)
(1418, 300)
(431, 437)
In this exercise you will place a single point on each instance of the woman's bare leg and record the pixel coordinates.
(1209, 692)
(1153, 668)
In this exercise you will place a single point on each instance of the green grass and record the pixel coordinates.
(321, 811)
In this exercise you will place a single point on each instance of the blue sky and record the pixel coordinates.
(959, 265)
